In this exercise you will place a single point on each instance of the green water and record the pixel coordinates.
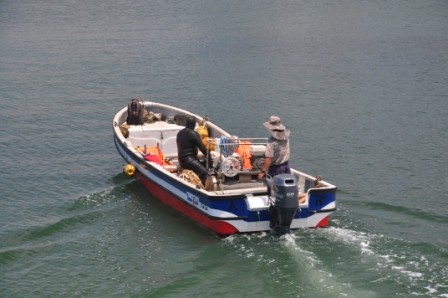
(363, 86)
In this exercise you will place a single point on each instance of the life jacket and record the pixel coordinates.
(243, 151)
(155, 154)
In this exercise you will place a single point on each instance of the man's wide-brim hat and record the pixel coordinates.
(274, 123)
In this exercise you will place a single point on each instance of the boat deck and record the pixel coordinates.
(163, 134)
(227, 181)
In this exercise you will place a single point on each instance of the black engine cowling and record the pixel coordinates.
(285, 191)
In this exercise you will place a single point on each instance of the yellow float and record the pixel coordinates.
(129, 170)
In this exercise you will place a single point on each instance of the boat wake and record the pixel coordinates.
(318, 272)
(53, 228)
(321, 261)
(105, 196)
(292, 263)
(389, 260)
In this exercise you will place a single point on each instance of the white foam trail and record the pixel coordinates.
(350, 237)
(387, 259)
(318, 276)
(396, 264)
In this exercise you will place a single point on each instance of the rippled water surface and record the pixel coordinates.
(363, 86)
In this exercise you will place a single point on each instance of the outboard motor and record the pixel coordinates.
(285, 191)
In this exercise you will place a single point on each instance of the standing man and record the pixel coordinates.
(276, 160)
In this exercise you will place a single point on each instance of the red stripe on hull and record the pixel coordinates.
(324, 222)
(220, 227)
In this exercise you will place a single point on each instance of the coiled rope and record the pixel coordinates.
(191, 177)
